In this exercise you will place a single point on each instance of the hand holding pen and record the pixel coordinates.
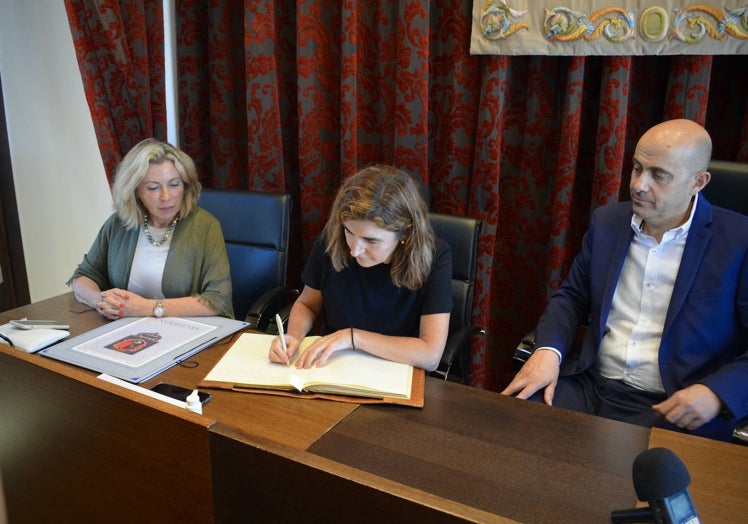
(282, 336)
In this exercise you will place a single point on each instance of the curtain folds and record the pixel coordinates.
(295, 96)
(120, 50)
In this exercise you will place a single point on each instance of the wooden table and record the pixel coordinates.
(719, 474)
(496, 453)
(76, 448)
(97, 452)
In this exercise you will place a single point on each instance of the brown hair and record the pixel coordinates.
(389, 198)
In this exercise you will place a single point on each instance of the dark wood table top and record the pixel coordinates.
(502, 456)
(514, 458)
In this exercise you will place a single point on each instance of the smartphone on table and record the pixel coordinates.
(179, 393)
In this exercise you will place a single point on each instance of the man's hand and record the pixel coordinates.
(691, 407)
(540, 371)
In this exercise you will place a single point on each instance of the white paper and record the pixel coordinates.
(144, 340)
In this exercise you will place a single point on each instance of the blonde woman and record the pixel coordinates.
(158, 254)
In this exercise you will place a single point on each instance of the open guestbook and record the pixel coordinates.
(348, 375)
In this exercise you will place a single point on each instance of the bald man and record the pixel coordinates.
(663, 280)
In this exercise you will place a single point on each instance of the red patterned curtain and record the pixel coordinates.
(294, 96)
(120, 50)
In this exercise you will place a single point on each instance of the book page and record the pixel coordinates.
(246, 363)
(346, 372)
(354, 372)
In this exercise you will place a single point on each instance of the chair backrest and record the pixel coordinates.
(728, 186)
(256, 229)
(462, 234)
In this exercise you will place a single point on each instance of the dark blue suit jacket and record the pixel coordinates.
(706, 329)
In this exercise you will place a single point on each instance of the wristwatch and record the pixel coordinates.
(159, 310)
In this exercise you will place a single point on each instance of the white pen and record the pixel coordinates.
(282, 335)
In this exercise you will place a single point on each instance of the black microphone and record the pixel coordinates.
(660, 479)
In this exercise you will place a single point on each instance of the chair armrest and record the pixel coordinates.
(740, 433)
(527, 345)
(453, 350)
(263, 309)
(284, 313)
(524, 350)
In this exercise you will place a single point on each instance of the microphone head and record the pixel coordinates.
(658, 473)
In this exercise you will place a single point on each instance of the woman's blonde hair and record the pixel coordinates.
(389, 198)
(133, 168)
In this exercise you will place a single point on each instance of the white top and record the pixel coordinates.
(629, 350)
(148, 264)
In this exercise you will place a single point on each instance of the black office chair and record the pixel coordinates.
(256, 230)
(727, 188)
(462, 234)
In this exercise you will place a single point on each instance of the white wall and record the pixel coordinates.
(61, 188)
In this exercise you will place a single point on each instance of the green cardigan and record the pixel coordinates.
(197, 264)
